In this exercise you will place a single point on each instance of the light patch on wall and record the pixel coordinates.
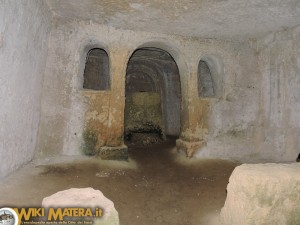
(136, 6)
(195, 134)
(1, 40)
(94, 115)
(111, 119)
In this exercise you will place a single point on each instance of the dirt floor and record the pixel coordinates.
(156, 186)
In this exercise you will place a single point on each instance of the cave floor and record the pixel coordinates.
(156, 186)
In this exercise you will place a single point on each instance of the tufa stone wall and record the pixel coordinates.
(228, 120)
(24, 29)
(279, 65)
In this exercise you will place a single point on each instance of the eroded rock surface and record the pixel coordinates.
(263, 194)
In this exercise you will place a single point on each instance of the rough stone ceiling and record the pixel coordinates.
(197, 18)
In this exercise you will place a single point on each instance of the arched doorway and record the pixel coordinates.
(153, 96)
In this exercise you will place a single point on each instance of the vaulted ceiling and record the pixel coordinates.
(196, 18)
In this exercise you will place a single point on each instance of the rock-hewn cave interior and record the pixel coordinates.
(179, 112)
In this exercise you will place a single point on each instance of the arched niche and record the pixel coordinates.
(210, 77)
(96, 70)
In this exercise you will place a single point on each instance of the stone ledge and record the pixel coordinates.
(114, 153)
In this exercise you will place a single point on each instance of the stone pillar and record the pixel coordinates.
(115, 148)
(193, 113)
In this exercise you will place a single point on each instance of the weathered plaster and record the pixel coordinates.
(97, 115)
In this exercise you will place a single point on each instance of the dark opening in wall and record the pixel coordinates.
(205, 80)
(153, 95)
(96, 72)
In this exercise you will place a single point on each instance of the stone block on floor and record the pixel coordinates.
(84, 198)
(263, 194)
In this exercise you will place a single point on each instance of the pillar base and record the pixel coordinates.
(189, 147)
(114, 153)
